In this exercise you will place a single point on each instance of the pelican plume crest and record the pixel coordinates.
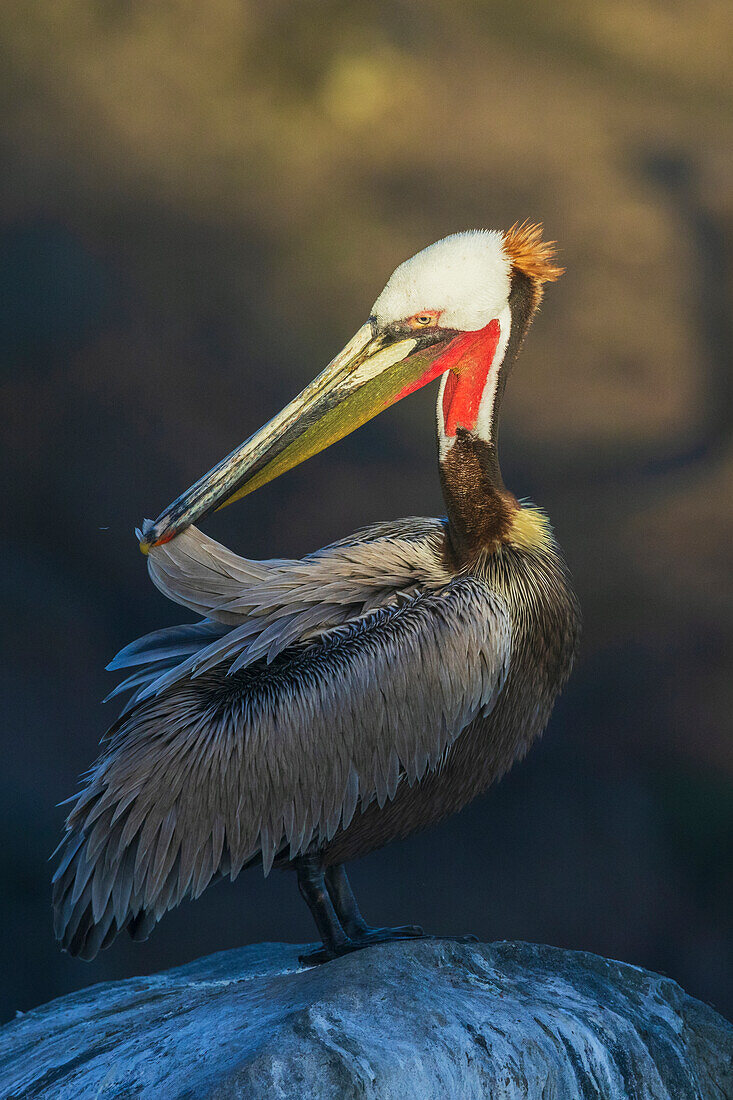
(528, 253)
(319, 708)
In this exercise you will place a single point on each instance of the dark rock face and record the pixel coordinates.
(399, 1021)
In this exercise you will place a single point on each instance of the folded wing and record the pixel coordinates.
(256, 609)
(218, 765)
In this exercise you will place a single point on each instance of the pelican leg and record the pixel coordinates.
(311, 883)
(350, 918)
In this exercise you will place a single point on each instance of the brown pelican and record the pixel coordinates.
(320, 708)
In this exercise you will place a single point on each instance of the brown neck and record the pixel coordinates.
(480, 509)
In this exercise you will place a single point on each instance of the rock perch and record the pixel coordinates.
(398, 1021)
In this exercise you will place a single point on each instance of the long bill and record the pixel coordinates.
(372, 372)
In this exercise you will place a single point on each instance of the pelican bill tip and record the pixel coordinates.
(142, 534)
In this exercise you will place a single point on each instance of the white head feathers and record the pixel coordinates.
(466, 276)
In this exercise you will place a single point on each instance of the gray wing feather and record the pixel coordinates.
(217, 770)
(201, 574)
(256, 610)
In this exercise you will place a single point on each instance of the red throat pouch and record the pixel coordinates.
(468, 359)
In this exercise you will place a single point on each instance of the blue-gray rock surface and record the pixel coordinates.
(399, 1021)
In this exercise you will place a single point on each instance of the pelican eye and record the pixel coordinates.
(428, 317)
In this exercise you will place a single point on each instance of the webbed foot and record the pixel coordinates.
(367, 935)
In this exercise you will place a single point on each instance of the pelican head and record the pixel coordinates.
(446, 311)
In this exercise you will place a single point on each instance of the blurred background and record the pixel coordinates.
(199, 205)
